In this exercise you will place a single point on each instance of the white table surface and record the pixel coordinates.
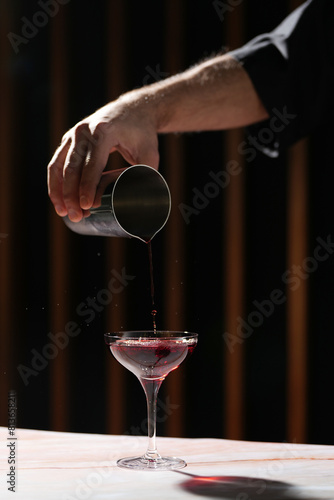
(67, 466)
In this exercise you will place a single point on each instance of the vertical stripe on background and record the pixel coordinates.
(115, 247)
(174, 232)
(59, 253)
(234, 262)
(6, 235)
(234, 296)
(297, 299)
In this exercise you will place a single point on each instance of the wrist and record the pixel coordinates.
(144, 104)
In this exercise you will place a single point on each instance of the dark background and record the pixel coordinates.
(29, 256)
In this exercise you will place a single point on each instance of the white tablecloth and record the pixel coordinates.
(68, 466)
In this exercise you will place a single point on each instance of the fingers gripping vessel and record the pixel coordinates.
(135, 203)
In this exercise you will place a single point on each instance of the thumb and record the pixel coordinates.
(144, 154)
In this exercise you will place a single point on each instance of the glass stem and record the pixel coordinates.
(151, 388)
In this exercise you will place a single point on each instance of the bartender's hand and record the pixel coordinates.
(215, 95)
(76, 168)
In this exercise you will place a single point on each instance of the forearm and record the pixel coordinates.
(214, 95)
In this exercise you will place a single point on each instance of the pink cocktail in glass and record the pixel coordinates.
(151, 355)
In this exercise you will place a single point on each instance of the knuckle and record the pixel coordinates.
(71, 168)
(54, 170)
(80, 129)
(76, 156)
(100, 129)
(65, 138)
(81, 148)
(98, 133)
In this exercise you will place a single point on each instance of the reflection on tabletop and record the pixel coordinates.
(239, 488)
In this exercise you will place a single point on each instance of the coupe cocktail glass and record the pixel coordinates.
(151, 355)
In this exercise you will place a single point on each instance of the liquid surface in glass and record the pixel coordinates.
(151, 358)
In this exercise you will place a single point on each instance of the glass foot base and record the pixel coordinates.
(143, 463)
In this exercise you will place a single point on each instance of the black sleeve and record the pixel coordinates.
(292, 69)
